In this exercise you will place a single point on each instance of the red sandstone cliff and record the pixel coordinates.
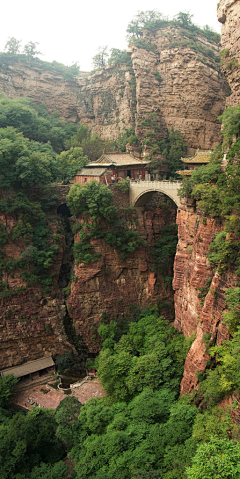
(112, 286)
(196, 315)
(31, 320)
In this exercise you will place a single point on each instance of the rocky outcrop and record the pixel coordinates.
(174, 81)
(112, 287)
(199, 291)
(43, 86)
(104, 101)
(167, 80)
(31, 319)
(229, 16)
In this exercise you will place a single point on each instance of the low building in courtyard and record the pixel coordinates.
(31, 369)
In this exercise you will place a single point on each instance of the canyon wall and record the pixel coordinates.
(229, 16)
(173, 79)
(112, 287)
(199, 291)
(31, 319)
(179, 84)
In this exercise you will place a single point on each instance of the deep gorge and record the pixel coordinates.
(149, 296)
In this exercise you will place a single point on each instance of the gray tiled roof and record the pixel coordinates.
(29, 367)
(118, 159)
(91, 172)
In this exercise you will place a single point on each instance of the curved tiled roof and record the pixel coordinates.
(185, 172)
(118, 159)
(91, 172)
(199, 157)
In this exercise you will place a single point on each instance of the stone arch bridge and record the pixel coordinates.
(141, 191)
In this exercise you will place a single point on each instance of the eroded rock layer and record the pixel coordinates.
(180, 85)
(174, 81)
(199, 291)
(229, 16)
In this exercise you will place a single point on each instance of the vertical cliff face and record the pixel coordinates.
(31, 324)
(229, 16)
(104, 101)
(173, 80)
(199, 291)
(112, 286)
(168, 76)
(42, 86)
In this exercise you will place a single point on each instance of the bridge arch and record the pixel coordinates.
(141, 191)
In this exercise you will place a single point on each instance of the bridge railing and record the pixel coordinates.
(151, 184)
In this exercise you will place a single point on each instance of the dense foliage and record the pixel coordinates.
(102, 221)
(92, 145)
(25, 165)
(218, 193)
(140, 430)
(149, 355)
(34, 122)
(164, 252)
(29, 448)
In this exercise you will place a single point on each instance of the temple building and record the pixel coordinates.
(113, 167)
(31, 369)
(199, 159)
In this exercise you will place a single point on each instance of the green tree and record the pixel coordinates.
(26, 441)
(30, 49)
(13, 46)
(24, 163)
(66, 416)
(93, 198)
(184, 18)
(82, 133)
(218, 458)
(7, 389)
(142, 358)
(117, 57)
(100, 59)
(150, 20)
(34, 122)
(59, 470)
(70, 162)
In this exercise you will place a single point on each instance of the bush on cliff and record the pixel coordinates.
(94, 201)
(25, 167)
(34, 122)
